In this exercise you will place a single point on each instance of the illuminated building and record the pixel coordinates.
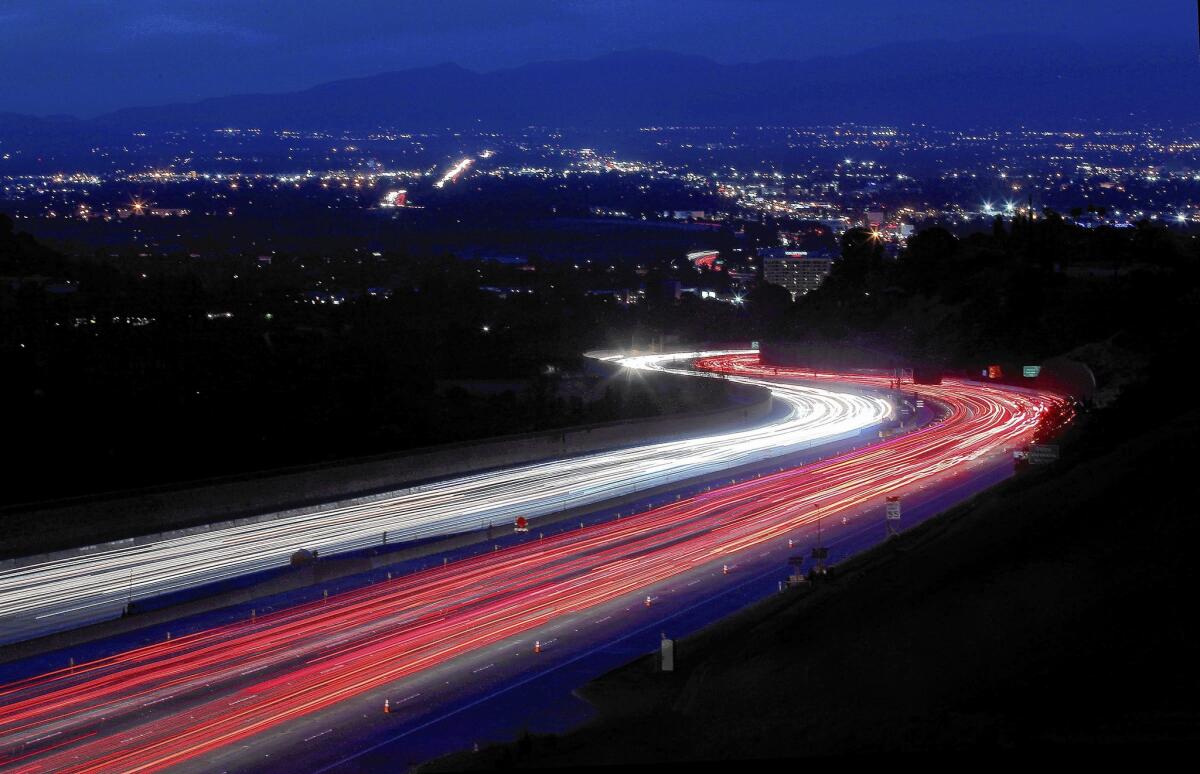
(796, 270)
(394, 199)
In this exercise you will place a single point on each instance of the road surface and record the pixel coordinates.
(46, 596)
(229, 696)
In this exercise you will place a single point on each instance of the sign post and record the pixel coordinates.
(892, 517)
(667, 652)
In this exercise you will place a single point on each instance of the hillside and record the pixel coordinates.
(988, 81)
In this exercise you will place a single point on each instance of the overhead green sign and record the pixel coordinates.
(1030, 371)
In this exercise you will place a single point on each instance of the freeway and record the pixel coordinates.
(189, 701)
(41, 597)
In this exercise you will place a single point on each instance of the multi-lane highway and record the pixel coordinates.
(46, 596)
(192, 699)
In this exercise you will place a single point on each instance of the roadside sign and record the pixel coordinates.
(920, 403)
(1042, 453)
(893, 508)
(668, 654)
(1030, 372)
(754, 345)
(521, 525)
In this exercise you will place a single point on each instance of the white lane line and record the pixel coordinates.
(44, 738)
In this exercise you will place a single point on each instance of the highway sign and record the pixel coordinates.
(1030, 371)
(1042, 453)
(893, 508)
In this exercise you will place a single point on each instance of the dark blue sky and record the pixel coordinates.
(89, 56)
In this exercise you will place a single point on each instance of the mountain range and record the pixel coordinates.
(986, 82)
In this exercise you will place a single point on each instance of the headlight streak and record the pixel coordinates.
(315, 655)
(58, 594)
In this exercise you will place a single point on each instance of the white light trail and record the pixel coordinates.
(52, 595)
(454, 172)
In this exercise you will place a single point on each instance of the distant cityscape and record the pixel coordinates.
(697, 189)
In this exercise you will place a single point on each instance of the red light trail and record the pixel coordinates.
(224, 685)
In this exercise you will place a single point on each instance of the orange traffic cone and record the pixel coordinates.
(387, 706)
(537, 646)
(647, 600)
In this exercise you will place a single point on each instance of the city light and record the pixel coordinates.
(454, 172)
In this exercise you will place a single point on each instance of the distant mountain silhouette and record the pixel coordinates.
(993, 81)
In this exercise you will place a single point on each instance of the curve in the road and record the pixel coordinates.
(218, 687)
(48, 596)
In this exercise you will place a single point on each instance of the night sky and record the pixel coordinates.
(84, 57)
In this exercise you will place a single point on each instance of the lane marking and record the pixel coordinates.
(555, 668)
